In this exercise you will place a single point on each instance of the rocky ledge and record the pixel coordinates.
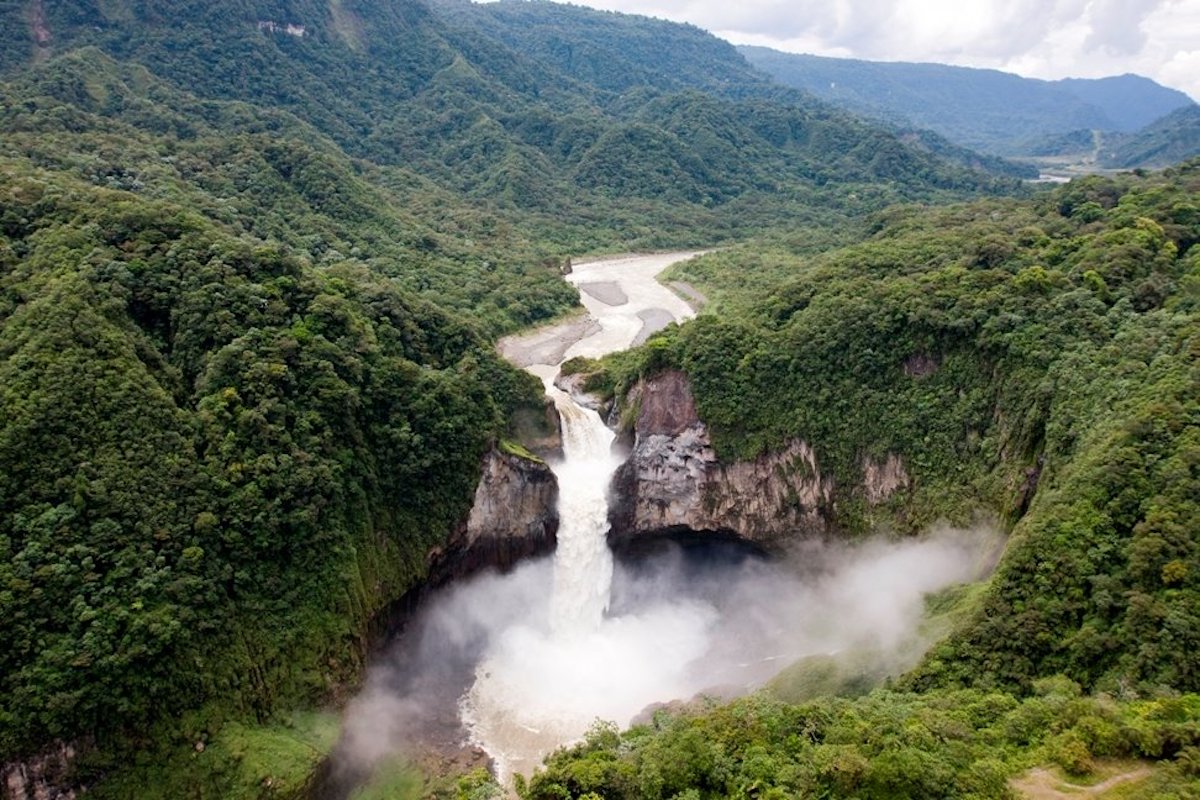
(673, 482)
(514, 516)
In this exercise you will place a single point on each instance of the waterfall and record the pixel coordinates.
(583, 564)
(519, 720)
(543, 682)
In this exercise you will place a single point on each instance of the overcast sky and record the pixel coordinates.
(1037, 38)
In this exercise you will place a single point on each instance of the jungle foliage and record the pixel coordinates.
(219, 460)
(625, 141)
(960, 744)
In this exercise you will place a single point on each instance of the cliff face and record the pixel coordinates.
(42, 778)
(514, 516)
(674, 482)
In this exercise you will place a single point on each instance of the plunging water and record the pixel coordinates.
(543, 658)
(583, 564)
(545, 679)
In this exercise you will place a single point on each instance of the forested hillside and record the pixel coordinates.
(1039, 359)
(1167, 141)
(450, 95)
(999, 349)
(220, 458)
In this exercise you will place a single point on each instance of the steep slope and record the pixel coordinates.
(219, 460)
(614, 52)
(465, 101)
(247, 387)
(1037, 359)
(1170, 140)
(984, 109)
(1041, 359)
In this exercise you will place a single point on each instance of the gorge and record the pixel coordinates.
(541, 653)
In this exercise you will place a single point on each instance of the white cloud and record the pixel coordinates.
(1038, 38)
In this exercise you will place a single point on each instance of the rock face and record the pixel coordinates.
(514, 516)
(882, 480)
(674, 482)
(41, 778)
(573, 385)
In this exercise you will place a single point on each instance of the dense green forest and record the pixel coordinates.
(448, 94)
(989, 344)
(220, 460)
(1167, 141)
(958, 744)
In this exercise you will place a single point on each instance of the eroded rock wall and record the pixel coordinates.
(514, 516)
(673, 479)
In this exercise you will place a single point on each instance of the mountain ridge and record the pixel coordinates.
(986, 109)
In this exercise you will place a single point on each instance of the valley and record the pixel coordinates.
(341, 456)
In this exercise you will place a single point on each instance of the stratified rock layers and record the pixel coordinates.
(673, 480)
(514, 516)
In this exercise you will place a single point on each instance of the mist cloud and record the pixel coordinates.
(680, 624)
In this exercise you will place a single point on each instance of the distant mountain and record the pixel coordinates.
(1130, 101)
(988, 110)
(1174, 138)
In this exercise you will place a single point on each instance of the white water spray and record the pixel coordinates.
(583, 564)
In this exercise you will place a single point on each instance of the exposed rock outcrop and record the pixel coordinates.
(573, 385)
(882, 480)
(45, 777)
(514, 516)
(673, 480)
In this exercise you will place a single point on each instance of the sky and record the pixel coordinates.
(1035, 38)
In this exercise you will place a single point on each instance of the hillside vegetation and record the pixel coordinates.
(1035, 358)
(219, 459)
(1167, 141)
(454, 95)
